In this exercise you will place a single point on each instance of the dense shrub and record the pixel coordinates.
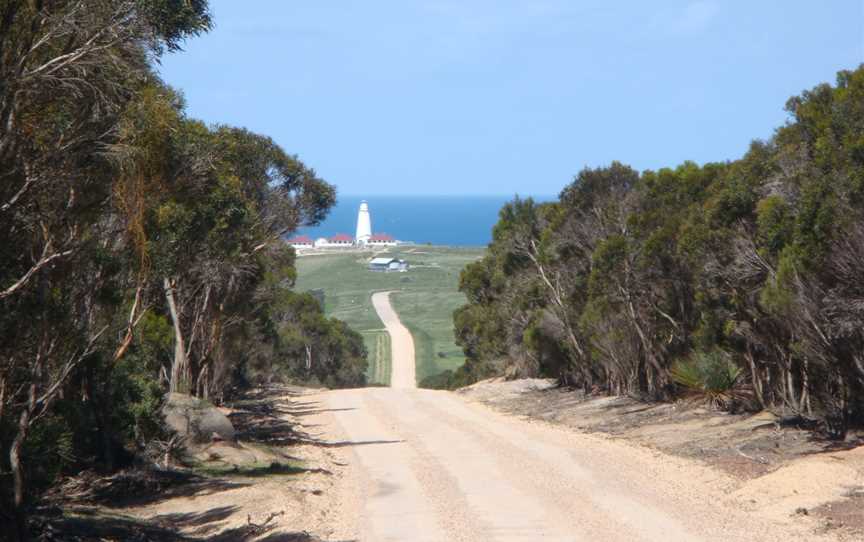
(740, 281)
(141, 250)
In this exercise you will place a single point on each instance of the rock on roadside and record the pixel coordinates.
(196, 419)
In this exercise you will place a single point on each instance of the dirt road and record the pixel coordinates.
(402, 374)
(429, 466)
(422, 465)
(406, 464)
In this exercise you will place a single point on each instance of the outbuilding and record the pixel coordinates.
(388, 264)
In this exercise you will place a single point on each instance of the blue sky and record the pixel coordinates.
(509, 96)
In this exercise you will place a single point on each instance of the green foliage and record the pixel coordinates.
(118, 209)
(592, 186)
(609, 287)
(174, 20)
(777, 295)
(774, 222)
(609, 255)
(137, 398)
(52, 447)
(308, 347)
(155, 333)
(440, 381)
(815, 224)
(709, 375)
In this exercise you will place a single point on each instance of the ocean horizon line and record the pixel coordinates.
(491, 196)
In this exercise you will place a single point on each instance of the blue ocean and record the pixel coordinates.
(439, 220)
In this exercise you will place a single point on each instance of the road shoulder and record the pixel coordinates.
(776, 470)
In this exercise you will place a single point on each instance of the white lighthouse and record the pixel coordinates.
(364, 224)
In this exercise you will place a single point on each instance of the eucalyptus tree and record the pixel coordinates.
(213, 236)
(633, 278)
(67, 71)
(141, 250)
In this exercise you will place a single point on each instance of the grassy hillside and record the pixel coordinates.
(425, 298)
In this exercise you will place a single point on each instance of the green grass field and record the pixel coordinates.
(425, 298)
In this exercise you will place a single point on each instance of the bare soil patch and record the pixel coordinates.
(846, 514)
(276, 482)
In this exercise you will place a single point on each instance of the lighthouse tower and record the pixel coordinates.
(364, 224)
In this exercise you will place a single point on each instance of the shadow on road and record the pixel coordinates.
(89, 506)
(262, 418)
(345, 443)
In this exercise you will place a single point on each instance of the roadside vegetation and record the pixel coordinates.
(424, 297)
(141, 249)
(739, 283)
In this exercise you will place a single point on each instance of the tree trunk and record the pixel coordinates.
(805, 388)
(203, 389)
(754, 376)
(792, 398)
(858, 360)
(658, 382)
(133, 321)
(2, 398)
(179, 381)
(15, 460)
(19, 483)
(107, 442)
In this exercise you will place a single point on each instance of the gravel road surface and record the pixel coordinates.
(402, 374)
(429, 466)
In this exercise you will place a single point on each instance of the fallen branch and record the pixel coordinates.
(760, 460)
(170, 448)
(259, 528)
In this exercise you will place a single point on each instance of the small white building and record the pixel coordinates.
(381, 240)
(388, 264)
(301, 242)
(340, 240)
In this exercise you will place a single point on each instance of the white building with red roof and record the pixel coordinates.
(340, 240)
(300, 242)
(364, 238)
(381, 240)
